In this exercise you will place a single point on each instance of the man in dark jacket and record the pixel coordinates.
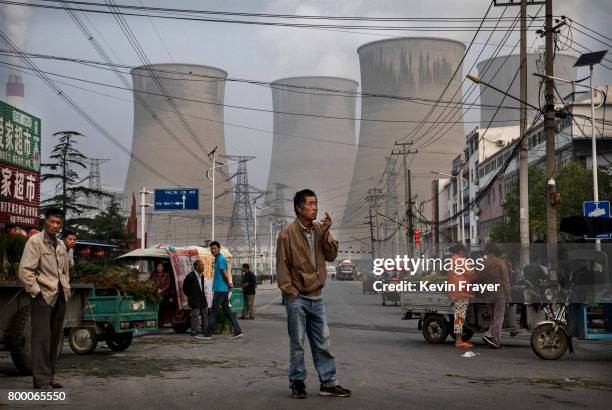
(249, 283)
(193, 288)
(495, 272)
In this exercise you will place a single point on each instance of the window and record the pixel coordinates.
(481, 172)
(493, 194)
(501, 197)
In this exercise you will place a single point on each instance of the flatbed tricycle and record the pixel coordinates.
(111, 317)
(15, 320)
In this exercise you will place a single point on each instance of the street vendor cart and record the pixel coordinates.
(176, 312)
(15, 320)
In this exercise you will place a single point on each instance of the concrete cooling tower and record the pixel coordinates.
(409, 67)
(164, 143)
(310, 151)
(500, 72)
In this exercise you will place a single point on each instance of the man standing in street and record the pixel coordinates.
(495, 272)
(43, 270)
(249, 283)
(222, 285)
(302, 249)
(69, 238)
(193, 288)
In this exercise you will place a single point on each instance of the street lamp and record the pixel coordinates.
(588, 59)
(462, 230)
(477, 80)
(255, 234)
(213, 168)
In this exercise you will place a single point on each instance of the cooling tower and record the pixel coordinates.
(161, 140)
(500, 71)
(409, 67)
(310, 151)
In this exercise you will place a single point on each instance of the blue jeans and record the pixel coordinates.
(220, 300)
(307, 317)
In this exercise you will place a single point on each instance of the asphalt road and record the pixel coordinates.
(382, 359)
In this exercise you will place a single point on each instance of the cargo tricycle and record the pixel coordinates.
(15, 320)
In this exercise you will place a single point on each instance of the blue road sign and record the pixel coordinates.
(177, 199)
(597, 209)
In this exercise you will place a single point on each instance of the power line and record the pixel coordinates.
(80, 111)
(100, 50)
(274, 85)
(471, 88)
(250, 22)
(241, 107)
(133, 40)
(428, 115)
(273, 15)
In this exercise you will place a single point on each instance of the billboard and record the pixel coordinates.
(19, 166)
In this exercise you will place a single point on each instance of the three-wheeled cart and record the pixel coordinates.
(15, 320)
(435, 313)
(177, 313)
(111, 317)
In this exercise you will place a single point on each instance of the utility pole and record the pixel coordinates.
(523, 153)
(143, 206)
(375, 195)
(523, 149)
(549, 127)
(405, 151)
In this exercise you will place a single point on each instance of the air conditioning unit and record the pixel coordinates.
(501, 143)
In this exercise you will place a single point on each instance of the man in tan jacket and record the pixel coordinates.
(43, 270)
(302, 249)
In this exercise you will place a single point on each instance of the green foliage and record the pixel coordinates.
(108, 226)
(11, 250)
(116, 277)
(574, 182)
(223, 325)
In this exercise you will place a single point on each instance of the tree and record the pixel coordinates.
(66, 159)
(574, 182)
(107, 226)
(507, 231)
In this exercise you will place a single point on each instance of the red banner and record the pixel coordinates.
(19, 196)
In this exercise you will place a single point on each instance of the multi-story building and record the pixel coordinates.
(487, 151)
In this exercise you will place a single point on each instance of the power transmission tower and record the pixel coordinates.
(95, 180)
(404, 152)
(241, 229)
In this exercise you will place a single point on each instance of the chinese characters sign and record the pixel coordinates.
(19, 138)
(19, 167)
(177, 199)
(19, 195)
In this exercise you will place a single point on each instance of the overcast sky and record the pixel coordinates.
(244, 51)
